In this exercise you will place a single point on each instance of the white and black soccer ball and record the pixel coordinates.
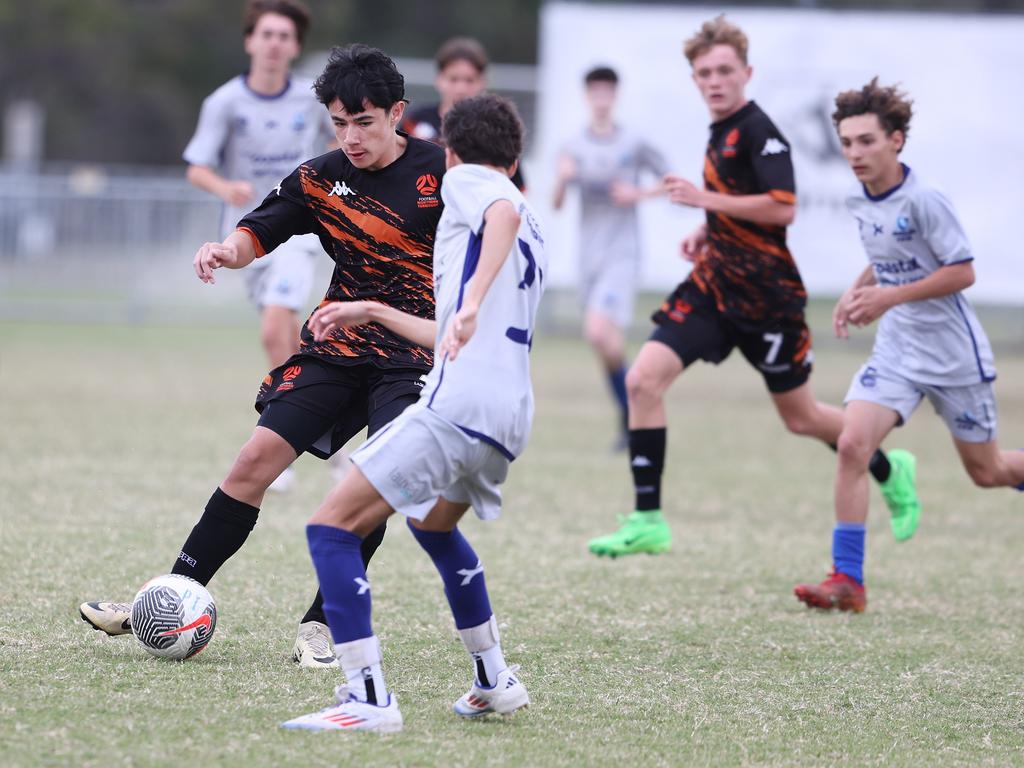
(173, 616)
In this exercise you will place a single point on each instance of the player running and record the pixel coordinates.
(929, 341)
(252, 132)
(374, 204)
(452, 449)
(606, 162)
(744, 291)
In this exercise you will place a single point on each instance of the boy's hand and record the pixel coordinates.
(694, 243)
(213, 256)
(338, 314)
(460, 331)
(869, 303)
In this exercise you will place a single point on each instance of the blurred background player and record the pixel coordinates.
(453, 448)
(744, 291)
(606, 162)
(374, 205)
(929, 341)
(461, 74)
(252, 132)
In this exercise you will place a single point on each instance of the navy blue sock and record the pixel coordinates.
(848, 550)
(461, 572)
(617, 381)
(339, 567)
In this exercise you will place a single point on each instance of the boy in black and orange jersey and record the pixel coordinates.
(374, 204)
(744, 291)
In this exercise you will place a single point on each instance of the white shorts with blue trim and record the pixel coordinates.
(421, 456)
(969, 411)
(284, 277)
(611, 290)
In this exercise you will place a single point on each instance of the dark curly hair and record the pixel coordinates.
(485, 129)
(358, 74)
(888, 103)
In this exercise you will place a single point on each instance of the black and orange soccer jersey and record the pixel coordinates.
(747, 268)
(378, 227)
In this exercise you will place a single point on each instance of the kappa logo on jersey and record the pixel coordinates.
(340, 189)
(427, 185)
(731, 140)
(774, 147)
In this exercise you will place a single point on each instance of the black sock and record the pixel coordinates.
(646, 459)
(879, 466)
(220, 532)
(369, 546)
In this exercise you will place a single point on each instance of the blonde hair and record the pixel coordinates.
(717, 31)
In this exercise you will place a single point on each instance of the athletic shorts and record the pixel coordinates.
(969, 411)
(691, 324)
(611, 290)
(284, 277)
(319, 406)
(421, 456)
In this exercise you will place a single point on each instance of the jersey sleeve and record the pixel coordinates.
(941, 229)
(282, 214)
(468, 196)
(772, 162)
(207, 144)
(652, 159)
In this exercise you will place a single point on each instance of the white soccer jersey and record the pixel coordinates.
(486, 390)
(609, 232)
(246, 136)
(909, 233)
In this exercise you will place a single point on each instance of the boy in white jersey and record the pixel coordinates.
(252, 132)
(929, 342)
(605, 161)
(452, 449)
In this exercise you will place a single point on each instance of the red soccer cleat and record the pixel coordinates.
(837, 591)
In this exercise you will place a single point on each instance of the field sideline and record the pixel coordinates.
(113, 438)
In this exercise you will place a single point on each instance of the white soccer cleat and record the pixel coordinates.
(112, 618)
(506, 696)
(313, 647)
(351, 714)
(284, 481)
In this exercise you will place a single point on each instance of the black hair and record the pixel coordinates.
(357, 74)
(601, 75)
(485, 129)
(292, 9)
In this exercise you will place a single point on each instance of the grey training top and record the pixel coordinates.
(246, 136)
(910, 232)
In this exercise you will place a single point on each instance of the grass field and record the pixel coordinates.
(112, 439)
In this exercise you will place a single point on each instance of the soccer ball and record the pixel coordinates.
(173, 616)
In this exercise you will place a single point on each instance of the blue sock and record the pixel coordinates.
(617, 381)
(461, 572)
(339, 567)
(848, 550)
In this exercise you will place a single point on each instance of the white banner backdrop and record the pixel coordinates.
(963, 72)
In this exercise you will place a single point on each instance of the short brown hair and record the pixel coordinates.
(462, 49)
(718, 31)
(484, 129)
(294, 10)
(888, 103)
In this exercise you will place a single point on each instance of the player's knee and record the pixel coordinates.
(854, 449)
(983, 475)
(799, 423)
(642, 386)
(250, 466)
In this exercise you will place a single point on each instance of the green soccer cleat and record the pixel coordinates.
(640, 532)
(901, 494)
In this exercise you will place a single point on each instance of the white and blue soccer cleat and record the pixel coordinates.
(351, 714)
(506, 696)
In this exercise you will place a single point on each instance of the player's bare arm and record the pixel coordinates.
(871, 302)
(625, 194)
(760, 209)
(502, 224)
(343, 314)
(231, 192)
(235, 252)
(565, 174)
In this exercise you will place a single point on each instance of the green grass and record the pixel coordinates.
(112, 439)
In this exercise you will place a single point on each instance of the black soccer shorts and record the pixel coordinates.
(691, 325)
(319, 406)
